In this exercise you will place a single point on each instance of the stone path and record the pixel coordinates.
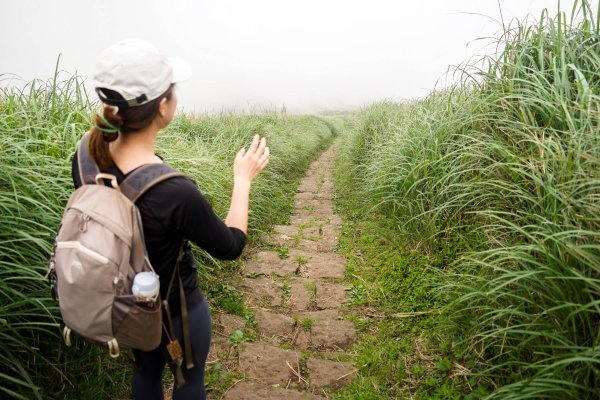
(296, 291)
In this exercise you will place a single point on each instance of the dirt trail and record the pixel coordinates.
(297, 294)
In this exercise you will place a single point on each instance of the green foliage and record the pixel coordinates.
(284, 252)
(39, 129)
(311, 288)
(301, 260)
(286, 291)
(493, 185)
(358, 294)
(237, 337)
(307, 324)
(226, 298)
(399, 338)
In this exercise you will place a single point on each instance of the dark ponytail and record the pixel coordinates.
(111, 123)
(103, 132)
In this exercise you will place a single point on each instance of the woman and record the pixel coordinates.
(136, 83)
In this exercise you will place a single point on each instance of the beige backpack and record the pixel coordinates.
(98, 251)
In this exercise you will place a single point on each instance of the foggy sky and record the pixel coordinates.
(306, 55)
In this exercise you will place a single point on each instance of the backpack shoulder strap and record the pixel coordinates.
(87, 167)
(145, 177)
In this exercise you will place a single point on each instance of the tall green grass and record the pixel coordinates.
(508, 164)
(39, 128)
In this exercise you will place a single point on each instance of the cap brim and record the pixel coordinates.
(182, 71)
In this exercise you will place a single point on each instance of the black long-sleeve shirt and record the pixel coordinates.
(171, 211)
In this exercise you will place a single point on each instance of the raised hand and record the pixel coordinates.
(248, 164)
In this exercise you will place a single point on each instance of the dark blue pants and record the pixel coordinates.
(147, 383)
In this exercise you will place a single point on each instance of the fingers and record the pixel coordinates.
(264, 158)
(254, 144)
(240, 153)
(257, 148)
(262, 146)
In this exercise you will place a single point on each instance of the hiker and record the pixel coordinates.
(137, 86)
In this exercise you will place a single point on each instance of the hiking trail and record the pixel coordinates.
(297, 295)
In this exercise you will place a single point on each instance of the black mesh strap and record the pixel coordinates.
(175, 270)
(87, 167)
(143, 178)
(187, 341)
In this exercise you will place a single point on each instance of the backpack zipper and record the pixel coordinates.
(84, 220)
(114, 227)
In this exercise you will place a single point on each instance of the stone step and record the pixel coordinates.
(316, 230)
(308, 218)
(318, 244)
(226, 324)
(313, 204)
(262, 292)
(267, 262)
(275, 328)
(314, 332)
(321, 195)
(331, 334)
(330, 295)
(319, 265)
(301, 295)
(254, 391)
(298, 262)
(317, 315)
(221, 349)
(268, 364)
(310, 185)
(283, 240)
(323, 211)
(305, 196)
(323, 232)
(329, 374)
(287, 230)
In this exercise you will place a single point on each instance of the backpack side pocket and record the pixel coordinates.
(135, 325)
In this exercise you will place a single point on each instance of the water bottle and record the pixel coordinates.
(146, 288)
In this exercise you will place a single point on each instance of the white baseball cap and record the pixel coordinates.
(137, 71)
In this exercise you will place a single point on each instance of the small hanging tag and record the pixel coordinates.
(175, 352)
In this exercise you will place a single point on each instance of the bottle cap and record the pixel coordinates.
(145, 286)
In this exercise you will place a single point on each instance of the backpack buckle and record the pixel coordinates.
(110, 177)
(113, 348)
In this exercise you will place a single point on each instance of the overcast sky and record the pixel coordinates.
(306, 55)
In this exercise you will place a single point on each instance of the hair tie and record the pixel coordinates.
(111, 128)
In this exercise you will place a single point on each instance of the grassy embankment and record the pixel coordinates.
(474, 226)
(39, 129)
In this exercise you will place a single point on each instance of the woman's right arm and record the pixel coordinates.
(246, 167)
(192, 215)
